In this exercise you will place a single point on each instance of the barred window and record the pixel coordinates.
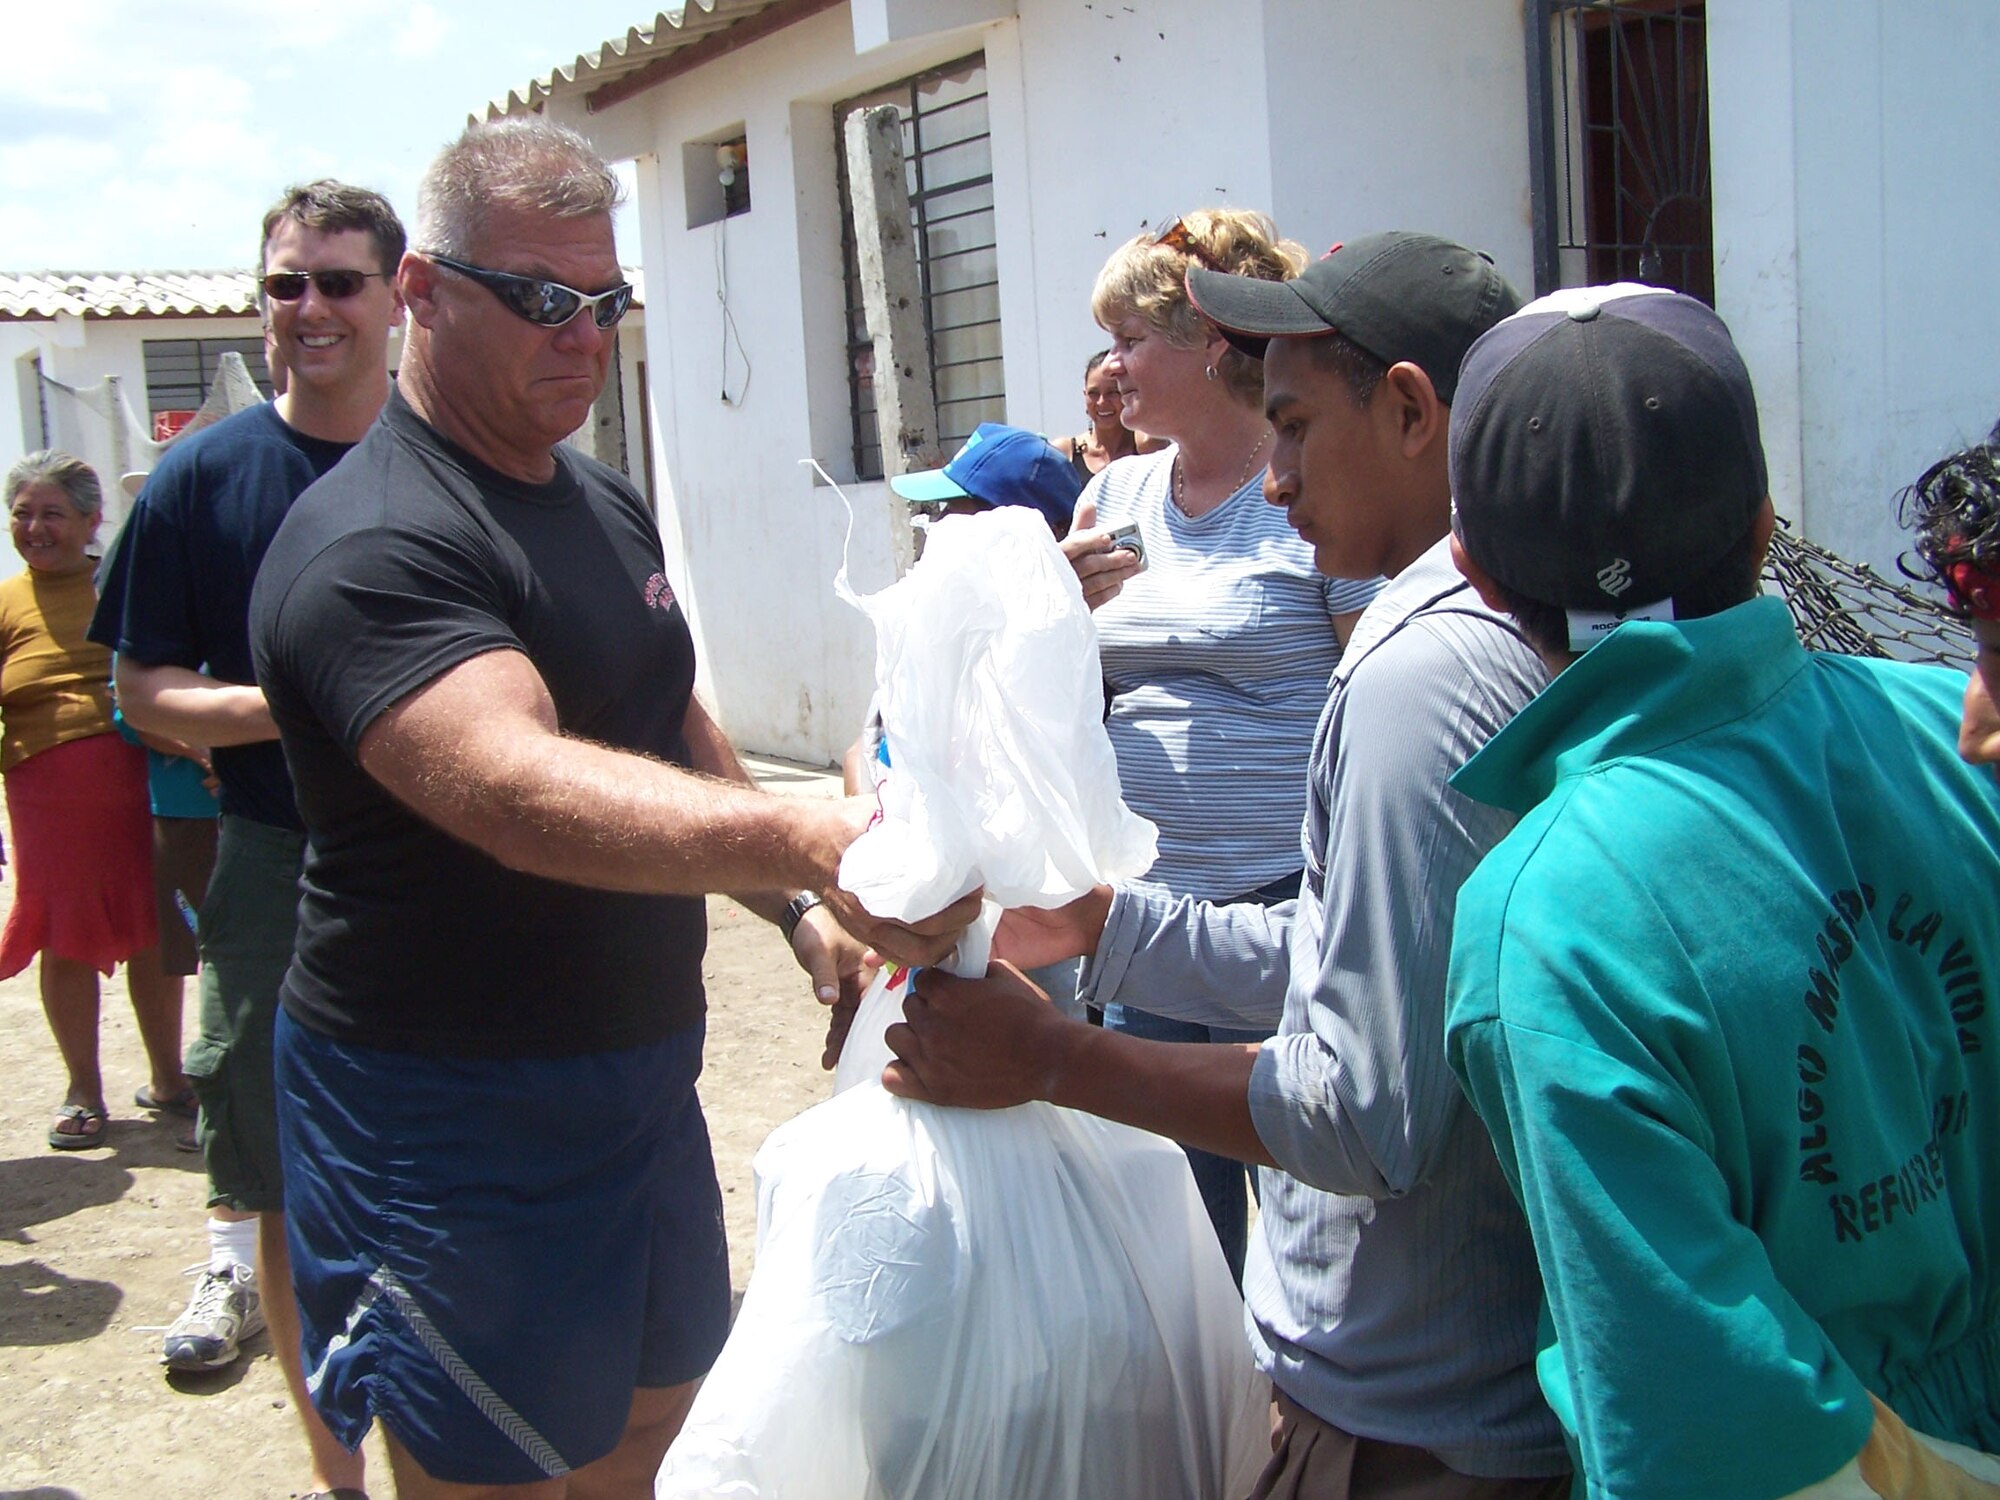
(180, 371)
(1620, 162)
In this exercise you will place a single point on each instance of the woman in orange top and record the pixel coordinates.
(76, 800)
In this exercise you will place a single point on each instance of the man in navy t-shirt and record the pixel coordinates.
(176, 607)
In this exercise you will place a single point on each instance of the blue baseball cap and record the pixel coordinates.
(1001, 465)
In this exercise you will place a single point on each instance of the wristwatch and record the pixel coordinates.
(794, 913)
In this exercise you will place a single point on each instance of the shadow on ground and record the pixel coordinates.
(40, 1306)
(42, 1189)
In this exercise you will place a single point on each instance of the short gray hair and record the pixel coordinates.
(75, 478)
(527, 163)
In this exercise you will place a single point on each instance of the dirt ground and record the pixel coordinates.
(93, 1244)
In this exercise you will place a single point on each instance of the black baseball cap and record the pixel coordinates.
(1604, 450)
(1401, 296)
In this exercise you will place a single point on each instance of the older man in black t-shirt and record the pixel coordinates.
(504, 1209)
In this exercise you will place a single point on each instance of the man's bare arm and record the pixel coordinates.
(834, 959)
(995, 1042)
(179, 703)
(710, 753)
(478, 752)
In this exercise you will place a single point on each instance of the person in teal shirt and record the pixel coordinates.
(1725, 997)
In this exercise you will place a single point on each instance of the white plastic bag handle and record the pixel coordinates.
(975, 950)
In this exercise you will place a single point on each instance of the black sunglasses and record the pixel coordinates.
(335, 286)
(548, 304)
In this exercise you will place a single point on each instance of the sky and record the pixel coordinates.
(141, 135)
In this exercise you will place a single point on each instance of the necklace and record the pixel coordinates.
(1180, 479)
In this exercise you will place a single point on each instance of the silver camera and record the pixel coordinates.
(1127, 537)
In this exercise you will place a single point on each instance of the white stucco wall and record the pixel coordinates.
(1126, 115)
(1104, 118)
(81, 352)
(1857, 197)
(1401, 114)
(753, 540)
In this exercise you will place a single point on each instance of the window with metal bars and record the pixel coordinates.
(180, 371)
(1619, 161)
(947, 149)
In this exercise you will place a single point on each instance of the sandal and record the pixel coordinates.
(183, 1104)
(89, 1129)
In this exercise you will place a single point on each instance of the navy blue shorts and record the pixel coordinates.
(492, 1255)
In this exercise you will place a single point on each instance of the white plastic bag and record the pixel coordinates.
(992, 703)
(1026, 1304)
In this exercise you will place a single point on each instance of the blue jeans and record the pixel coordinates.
(1221, 1181)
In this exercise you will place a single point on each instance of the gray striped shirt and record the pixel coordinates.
(1391, 1286)
(1217, 657)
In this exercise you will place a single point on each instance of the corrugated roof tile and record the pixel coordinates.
(126, 294)
(671, 29)
(34, 296)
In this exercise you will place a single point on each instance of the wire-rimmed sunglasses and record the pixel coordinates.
(335, 285)
(545, 303)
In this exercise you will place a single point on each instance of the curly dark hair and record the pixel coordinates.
(1954, 509)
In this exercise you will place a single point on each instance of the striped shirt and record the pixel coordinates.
(1391, 1287)
(1217, 657)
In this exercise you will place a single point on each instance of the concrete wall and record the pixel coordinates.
(1104, 118)
(1857, 198)
(81, 352)
(1401, 114)
(753, 540)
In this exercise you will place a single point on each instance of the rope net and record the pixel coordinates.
(1848, 607)
(97, 424)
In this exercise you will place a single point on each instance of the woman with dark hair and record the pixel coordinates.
(1109, 438)
(1955, 510)
(1217, 654)
(76, 800)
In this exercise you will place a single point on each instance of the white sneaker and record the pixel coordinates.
(224, 1311)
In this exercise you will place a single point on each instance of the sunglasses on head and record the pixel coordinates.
(548, 304)
(335, 286)
(1178, 238)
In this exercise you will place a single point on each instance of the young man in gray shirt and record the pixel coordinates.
(1391, 1288)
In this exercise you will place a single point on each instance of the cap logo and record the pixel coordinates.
(1615, 577)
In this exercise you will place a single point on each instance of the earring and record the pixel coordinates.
(1209, 370)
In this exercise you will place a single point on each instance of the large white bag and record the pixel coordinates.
(1026, 1304)
(948, 1305)
(992, 703)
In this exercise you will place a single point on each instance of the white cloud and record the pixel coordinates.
(423, 31)
(156, 134)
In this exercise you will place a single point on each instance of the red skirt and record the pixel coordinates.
(83, 856)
